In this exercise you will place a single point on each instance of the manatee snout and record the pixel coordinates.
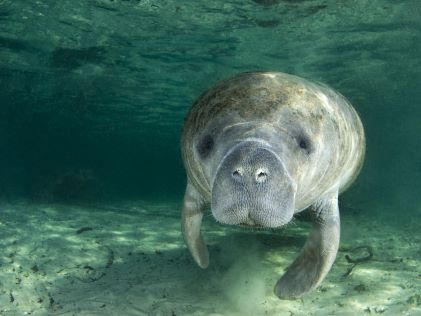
(252, 188)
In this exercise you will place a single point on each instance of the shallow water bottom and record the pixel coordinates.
(129, 259)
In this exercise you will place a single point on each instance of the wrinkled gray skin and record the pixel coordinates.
(261, 147)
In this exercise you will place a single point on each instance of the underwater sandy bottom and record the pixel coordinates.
(129, 259)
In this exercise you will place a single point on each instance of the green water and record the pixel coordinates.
(104, 85)
(93, 93)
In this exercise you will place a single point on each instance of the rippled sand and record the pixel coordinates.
(129, 259)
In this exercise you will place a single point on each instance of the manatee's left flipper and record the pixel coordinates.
(318, 254)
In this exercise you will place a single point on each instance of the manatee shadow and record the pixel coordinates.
(71, 58)
(169, 281)
(15, 44)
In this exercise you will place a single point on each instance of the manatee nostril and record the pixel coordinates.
(237, 174)
(261, 175)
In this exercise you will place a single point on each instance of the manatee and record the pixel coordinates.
(262, 146)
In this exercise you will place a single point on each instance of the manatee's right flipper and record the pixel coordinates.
(191, 220)
(318, 254)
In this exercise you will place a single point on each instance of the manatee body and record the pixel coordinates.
(262, 146)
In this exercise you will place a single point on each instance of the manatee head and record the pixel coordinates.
(260, 143)
(251, 169)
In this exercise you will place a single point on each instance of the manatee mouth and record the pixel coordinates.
(253, 217)
(250, 223)
(252, 188)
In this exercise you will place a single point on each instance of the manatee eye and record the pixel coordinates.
(205, 146)
(305, 144)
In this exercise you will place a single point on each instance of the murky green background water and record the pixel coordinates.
(94, 92)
